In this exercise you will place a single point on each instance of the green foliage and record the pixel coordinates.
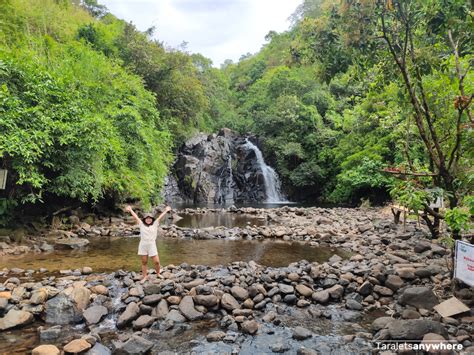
(408, 194)
(457, 219)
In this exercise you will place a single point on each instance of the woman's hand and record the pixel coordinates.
(128, 209)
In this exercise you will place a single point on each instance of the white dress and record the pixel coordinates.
(148, 235)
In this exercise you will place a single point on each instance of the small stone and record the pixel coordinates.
(320, 296)
(286, 289)
(186, 307)
(365, 289)
(250, 327)
(228, 302)
(15, 318)
(86, 270)
(77, 346)
(394, 282)
(144, 321)
(45, 350)
(300, 333)
(239, 293)
(336, 291)
(304, 290)
(353, 304)
(94, 314)
(215, 336)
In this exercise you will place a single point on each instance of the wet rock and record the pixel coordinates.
(305, 351)
(239, 293)
(300, 333)
(419, 297)
(250, 327)
(410, 314)
(320, 296)
(45, 350)
(62, 310)
(94, 314)
(186, 306)
(215, 336)
(228, 302)
(406, 273)
(77, 346)
(131, 313)
(51, 333)
(143, 321)
(99, 349)
(280, 347)
(414, 329)
(384, 291)
(15, 318)
(136, 345)
(72, 243)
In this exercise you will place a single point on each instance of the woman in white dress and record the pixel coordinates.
(148, 232)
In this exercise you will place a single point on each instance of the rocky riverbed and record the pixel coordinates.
(385, 289)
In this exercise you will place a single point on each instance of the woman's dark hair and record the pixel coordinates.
(145, 218)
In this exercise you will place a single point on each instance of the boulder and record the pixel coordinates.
(131, 313)
(206, 300)
(135, 345)
(186, 306)
(414, 329)
(144, 321)
(45, 350)
(304, 290)
(72, 243)
(161, 311)
(99, 349)
(62, 310)
(39, 296)
(15, 318)
(228, 302)
(81, 296)
(239, 293)
(381, 323)
(320, 296)
(336, 291)
(94, 314)
(77, 346)
(419, 297)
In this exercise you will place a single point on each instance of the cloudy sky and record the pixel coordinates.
(219, 29)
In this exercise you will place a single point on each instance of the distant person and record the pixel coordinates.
(148, 232)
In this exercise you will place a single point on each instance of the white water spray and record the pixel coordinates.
(270, 177)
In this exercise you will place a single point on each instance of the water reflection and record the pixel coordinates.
(108, 254)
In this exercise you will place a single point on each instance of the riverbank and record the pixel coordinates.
(383, 289)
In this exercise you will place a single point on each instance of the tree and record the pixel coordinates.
(405, 30)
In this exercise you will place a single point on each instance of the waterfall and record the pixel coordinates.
(270, 177)
(225, 194)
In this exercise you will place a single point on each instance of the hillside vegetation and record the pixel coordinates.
(91, 108)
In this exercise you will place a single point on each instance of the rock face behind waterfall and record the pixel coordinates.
(217, 169)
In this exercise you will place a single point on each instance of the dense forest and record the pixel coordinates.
(92, 109)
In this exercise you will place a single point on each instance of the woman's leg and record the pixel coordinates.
(144, 267)
(156, 261)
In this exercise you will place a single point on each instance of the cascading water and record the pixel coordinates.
(225, 193)
(271, 179)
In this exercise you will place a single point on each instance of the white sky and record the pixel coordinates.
(218, 29)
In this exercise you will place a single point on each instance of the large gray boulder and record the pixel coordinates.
(414, 329)
(186, 306)
(419, 297)
(94, 314)
(62, 310)
(130, 314)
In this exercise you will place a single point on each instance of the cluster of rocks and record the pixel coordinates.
(242, 298)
